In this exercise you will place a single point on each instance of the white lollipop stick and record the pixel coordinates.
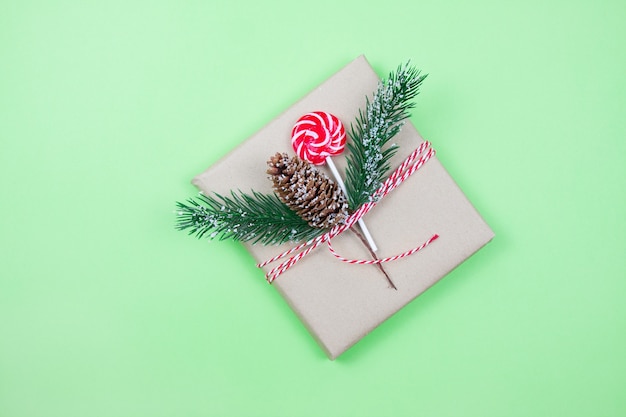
(362, 225)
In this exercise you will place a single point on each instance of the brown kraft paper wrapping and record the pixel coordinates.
(340, 303)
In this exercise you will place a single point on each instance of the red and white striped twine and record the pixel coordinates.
(411, 164)
(383, 260)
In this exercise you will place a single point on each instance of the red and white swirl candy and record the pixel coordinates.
(318, 135)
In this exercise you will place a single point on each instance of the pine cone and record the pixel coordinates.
(307, 191)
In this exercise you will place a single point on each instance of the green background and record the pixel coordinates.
(108, 108)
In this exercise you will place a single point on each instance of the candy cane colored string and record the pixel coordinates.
(387, 187)
(404, 171)
(290, 251)
(401, 173)
(383, 260)
(275, 272)
(313, 243)
(383, 190)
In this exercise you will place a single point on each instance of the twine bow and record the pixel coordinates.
(411, 164)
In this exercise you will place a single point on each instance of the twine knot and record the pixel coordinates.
(407, 168)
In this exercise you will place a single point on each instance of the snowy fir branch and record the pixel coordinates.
(368, 157)
(254, 218)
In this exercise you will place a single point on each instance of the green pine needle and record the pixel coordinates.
(255, 218)
(384, 115)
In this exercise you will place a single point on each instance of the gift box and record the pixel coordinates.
(339, 302)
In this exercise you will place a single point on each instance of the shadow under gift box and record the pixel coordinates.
(340, 303)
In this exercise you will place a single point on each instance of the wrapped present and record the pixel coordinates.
(340, 296)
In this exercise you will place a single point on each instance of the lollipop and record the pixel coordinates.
(316, 137)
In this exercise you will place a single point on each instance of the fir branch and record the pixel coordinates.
(384, 115)
(251, 218)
